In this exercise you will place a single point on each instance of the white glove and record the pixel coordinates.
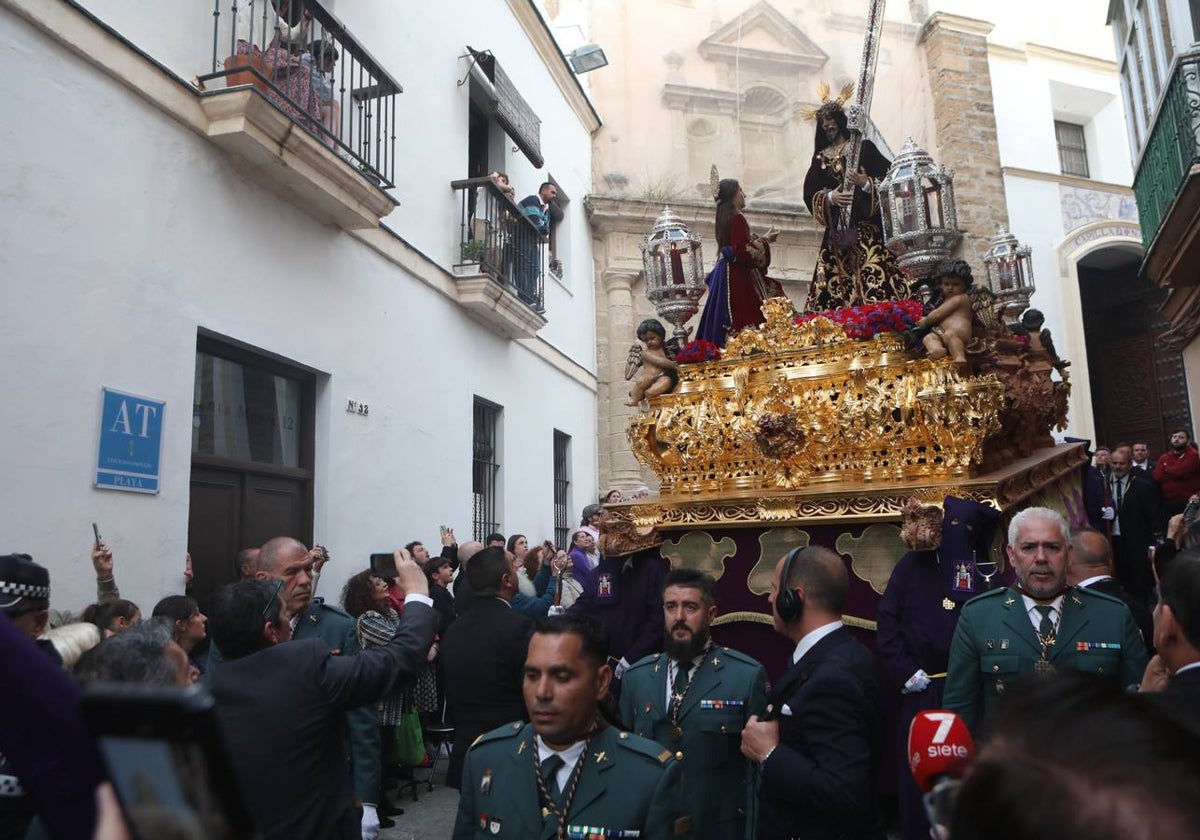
(621, 668)
(916, 683)
(556, 611)
(1108, 514)
(370, 822)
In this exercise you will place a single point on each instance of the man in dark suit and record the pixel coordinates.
(1134, 512)
(1141, 457)
(819, 746)
(1091, 567)
(484, 656)
(1175, 672)
(289, 560)
(281, 706)
(461, 588)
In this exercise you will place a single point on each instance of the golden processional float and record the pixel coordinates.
(806, 432)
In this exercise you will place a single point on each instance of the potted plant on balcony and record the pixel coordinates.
(473, 250)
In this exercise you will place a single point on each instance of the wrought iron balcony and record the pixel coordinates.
(302, 59)
(498, 240)
(1172, 149)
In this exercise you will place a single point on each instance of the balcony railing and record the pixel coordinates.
(1172, 149)
(500, 241)
(304, 61)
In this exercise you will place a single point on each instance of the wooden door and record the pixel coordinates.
(233, 509)
(1139, 390)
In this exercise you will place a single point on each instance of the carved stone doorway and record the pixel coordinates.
(1139, 390)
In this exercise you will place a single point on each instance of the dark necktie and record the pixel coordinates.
(1119, 491)
(681, 678)
(1046, 627)
(550, 768)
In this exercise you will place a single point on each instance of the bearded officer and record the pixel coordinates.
(694, 699)
(1038, 625)
(568, 774)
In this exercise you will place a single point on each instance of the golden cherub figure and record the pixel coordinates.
(651, 368)
(950, 323)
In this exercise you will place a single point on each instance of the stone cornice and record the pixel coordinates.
(1027, 51)
(700, 100)
(858, 23)
(1066, 180)
(542, 39)
(616, 214)
(780, 63)
(956, 23)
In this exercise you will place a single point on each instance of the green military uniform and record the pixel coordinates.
(722, 692)
(995, 645)
(627, 784)
(336, 628)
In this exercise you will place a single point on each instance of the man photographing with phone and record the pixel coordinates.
(281, 705)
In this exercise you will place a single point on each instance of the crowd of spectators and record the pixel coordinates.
(318, 703)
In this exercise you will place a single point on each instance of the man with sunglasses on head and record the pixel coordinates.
(281, 705)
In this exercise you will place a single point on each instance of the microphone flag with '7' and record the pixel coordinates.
(939, 746)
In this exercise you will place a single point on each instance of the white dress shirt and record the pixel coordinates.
(1035, 617)
(1086, 582)
(810, 639)
(673, 670)
(569, 756)
(1118, 499)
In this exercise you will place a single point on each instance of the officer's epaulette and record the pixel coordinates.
(991, 593)
(500, 733)
(320, 604)
(646, 660)
(730, 653)
(645, 747)
(1082, 592)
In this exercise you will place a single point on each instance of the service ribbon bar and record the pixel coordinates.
(722, 704)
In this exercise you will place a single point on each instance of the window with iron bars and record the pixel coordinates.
(562, 488)
(1072, 149)
(485, 469)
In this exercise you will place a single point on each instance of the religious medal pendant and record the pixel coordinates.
(1042, 667)
(677, 733)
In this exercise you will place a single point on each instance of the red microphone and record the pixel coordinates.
(939, 746)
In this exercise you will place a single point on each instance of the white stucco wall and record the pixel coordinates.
(126, 233)
(1031, 89)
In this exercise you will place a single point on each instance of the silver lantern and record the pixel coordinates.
(674, 271)
(1009, 274)
(920, 222)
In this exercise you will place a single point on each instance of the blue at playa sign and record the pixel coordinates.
(130, 442)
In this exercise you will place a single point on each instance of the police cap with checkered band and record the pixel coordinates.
(20, 577)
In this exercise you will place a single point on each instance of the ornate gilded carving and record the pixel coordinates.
(795, 405)
(854, 501)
